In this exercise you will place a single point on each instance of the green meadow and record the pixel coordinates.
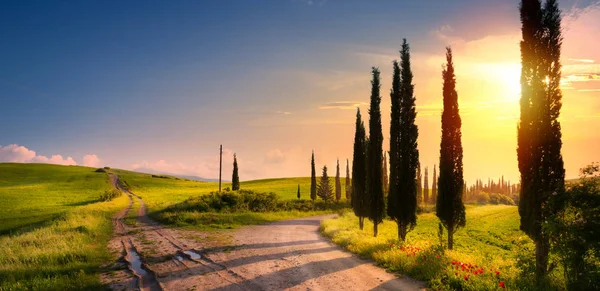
(490, 242)
(55, 230)
(161, 193)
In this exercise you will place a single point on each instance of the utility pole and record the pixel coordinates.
(220, 165)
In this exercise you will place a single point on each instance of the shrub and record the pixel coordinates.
(100, 170)
(250, 201)
(109, 195)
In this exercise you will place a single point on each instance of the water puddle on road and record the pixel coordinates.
(136, 264)
(194, 255)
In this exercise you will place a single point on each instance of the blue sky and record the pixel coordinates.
(140, 82)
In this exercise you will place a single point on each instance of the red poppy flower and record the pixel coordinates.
(497, 273)
(502, 284)
(466, 278)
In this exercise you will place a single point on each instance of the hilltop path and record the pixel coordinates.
(286, 255)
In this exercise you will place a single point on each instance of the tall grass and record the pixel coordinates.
(491, 242)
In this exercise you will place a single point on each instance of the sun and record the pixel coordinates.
(508, 76)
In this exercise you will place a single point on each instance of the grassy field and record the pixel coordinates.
(160, 193)
(55, 231)
(38, 193)
(490, 242)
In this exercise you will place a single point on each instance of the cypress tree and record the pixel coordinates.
(426, 188)
(298, 191)
(404, 205)
(313, 179)
(359, 173)
(393, 206)
(450, 208)
(338, 184)
(348, 186)
(539, 132)
(434, 183)
(374, 157)
(235, 179)
(324, 189)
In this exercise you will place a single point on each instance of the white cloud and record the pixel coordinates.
(91, 161)
(14, 153)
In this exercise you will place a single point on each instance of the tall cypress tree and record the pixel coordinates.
(298, 195)
(359, 173)
(235, 179)
(338, 184)
(426, 188)
(539, 132)
(450, 208)
(348, 186)
(393, 203)
(375, 148)
(434, 183)
(313, 179)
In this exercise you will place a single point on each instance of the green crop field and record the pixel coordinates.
(55, 230)
(491, 241)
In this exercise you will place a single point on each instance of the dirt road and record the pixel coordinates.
(287, 255)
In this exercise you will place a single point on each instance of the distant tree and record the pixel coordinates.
(298, 191)
(426, 188)
(359, 174)
(450, 208)
(434, 183)
(324, 189)
(348, 185)
(419, 183)
(539, 131)
(235, 179)
(338, 184)
(375, 148)
(384, 172)
(313, 179)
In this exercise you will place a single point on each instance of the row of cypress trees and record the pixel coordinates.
(367, 191)
(323, 189)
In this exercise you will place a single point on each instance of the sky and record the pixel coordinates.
(161, 84)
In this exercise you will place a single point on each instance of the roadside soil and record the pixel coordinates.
(286, 255)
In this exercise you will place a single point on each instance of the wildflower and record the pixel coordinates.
(497, 273)
(466, 277)
(501, 285)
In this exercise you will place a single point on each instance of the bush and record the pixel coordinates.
(250, 201)
(496, 198)
(574, 230)
(109, 195)
(100, 170)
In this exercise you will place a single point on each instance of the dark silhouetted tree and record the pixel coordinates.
(394, 207)
(324, 189)
(338, 183)
(402, 206)
(359, 175)
(426, 188)
(348, 185)
(235, 179)
(449, 207)
(374, 157)
(298, 191)
(313, 179)
(539, 132)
